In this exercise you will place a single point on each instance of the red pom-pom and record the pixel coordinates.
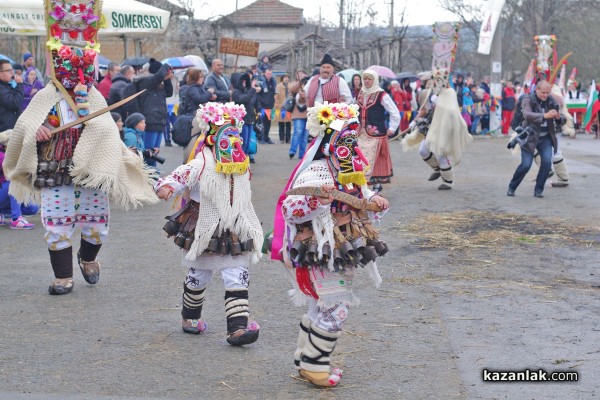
(73, 34)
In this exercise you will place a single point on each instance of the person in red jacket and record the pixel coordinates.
(509, 101)
(106, 83)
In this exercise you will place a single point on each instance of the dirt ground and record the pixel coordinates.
(474, 280)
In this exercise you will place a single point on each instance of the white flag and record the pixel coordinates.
(489, 25)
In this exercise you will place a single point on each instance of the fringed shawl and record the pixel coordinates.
(101, 160)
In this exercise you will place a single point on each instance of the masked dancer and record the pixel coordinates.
(217, 228)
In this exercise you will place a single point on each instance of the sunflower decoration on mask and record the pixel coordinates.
(325, 115)
(321, 116)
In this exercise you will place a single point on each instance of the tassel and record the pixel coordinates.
(304, 283)
(357, 178)
(233, 168)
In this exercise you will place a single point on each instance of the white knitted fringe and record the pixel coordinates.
(374, 273)
(216, 211)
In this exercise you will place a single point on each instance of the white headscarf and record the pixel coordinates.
(375, 86)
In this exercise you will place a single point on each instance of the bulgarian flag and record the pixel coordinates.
(593, 106)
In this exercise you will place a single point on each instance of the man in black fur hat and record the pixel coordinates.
(327, 86)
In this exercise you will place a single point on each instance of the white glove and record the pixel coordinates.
(412, 125)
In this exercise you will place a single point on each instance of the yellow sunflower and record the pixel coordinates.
(325, 115)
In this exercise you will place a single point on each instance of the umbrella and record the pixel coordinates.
(198, 62)
(178, 62)
(407, 75)
(383, 72)
(348, 73)
(3, 57)
(135, 61)
(103, 62)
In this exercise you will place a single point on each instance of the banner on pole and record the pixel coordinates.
(489, 25)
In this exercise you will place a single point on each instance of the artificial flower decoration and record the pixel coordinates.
(53, 44)
(325, 115)
(216, 114)
(321, 116)
(58, 13)
(92, 45)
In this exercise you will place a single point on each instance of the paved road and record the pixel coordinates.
(439, 318)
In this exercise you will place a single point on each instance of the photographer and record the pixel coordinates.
(133, 137)
(540, 112)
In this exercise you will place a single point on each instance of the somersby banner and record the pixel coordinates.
(26, 17)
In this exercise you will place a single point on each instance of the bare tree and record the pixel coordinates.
(570, 20)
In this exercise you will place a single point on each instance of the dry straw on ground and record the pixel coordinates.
(477, 229)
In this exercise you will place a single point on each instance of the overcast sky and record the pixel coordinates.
(418, 12)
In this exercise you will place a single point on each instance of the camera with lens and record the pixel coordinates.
(150, 154)
(521, 138)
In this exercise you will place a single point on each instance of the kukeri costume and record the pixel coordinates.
(75, 172)
(217, 228)
(322, 245)
(439, 131)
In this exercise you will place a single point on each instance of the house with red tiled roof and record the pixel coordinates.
(272, 23)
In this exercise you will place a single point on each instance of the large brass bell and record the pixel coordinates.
(369, 254)
(297, 251)
(187, 244)
(40, 182)
(51, 182)
(236, 248)
(248, 245)
(180, 239)
(223, 248)
(338, 260)
(380, 246)
(312, 252)
(213, 245)
(358, 244)
(171, 227)
(59, 179)
(42, 166)
(53, 166)
(347, 251)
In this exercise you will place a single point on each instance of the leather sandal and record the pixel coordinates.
(322, 379)
(244, 336)
(89, 269)
(61, 286)
(193, 326)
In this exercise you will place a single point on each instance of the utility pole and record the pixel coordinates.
(342, 24)
(392, 17)
(496, 85)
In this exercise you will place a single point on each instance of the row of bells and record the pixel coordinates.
(353, 252)
(220, 245)
(53, 173)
